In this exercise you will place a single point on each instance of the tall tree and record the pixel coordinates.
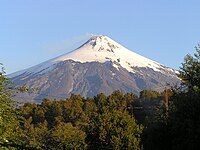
(112, 127)
(65, 136)
(9, 125)
(180, 127)
(190, 70)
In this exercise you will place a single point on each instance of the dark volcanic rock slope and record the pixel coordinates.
(89, 79)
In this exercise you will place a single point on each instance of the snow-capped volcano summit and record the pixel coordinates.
(102, 49)
(99, 48)
(99, 65)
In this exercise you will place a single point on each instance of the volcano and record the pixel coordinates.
(100, 65)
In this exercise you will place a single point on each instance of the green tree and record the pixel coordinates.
(112, 127)
(73, 110)
(65, 136)
(190, 70)
(184, 120)
(147, 94)
(179, 128)
(36, 135)
(9, 124)
(184, 117)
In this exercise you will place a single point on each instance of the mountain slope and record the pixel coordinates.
(99, 65)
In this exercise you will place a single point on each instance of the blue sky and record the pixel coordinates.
(33, 31)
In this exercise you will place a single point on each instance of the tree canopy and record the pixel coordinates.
(179, 128)
(190, 70)
(9, 123)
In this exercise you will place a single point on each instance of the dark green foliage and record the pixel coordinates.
(190, 70)
(149, 94)
(112, 127)
(65, 136)
(148, 103)
(9, 123)
(184, 120)
(179, 128)
(102, 122)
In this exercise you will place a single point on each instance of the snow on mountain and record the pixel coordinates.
(99, 49)
(100, 65)
(102, 49)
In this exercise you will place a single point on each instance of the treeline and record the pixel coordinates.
(102, 122)
(117, 121)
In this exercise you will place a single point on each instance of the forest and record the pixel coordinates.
(118, 121)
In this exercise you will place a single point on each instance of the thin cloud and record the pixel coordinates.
(67, 44)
